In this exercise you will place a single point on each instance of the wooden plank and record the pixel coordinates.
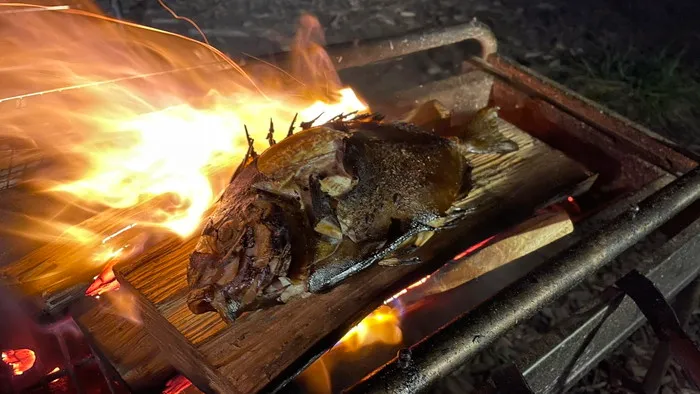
(132, 352)
(247, 355)
(66, 262)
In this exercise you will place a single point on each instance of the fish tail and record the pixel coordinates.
(483, 133)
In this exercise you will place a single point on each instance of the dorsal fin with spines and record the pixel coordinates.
(291, 125)
(271, 134)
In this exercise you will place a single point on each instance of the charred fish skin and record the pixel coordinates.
(324, 204)
(409, 179)
(246, 246)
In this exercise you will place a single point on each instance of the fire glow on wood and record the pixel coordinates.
(177, 385)
(383, 325)
(20, 360)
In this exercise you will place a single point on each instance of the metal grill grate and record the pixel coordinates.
(16, 163)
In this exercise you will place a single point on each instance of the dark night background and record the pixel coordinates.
(639, 57)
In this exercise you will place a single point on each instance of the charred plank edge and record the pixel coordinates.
(209, 381)
(120, 341)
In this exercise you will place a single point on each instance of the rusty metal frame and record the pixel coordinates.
(362, 53)
(445, 351)
(663, 320)
(640, 140)
(565, 354)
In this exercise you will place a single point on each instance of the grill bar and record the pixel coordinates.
(686, 303)
(371, 51)
(567, 355)
(361, 53)
(445, 351)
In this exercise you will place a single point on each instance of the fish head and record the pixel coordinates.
(244, 254)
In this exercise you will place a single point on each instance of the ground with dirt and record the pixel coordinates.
(637, 57)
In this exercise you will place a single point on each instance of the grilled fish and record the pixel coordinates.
(329, 201)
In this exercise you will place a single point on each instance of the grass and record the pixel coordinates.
(655, 89)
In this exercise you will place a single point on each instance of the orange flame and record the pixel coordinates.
(134, 114)
(380, 326)
(20, 360)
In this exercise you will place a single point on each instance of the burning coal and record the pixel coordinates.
(20, 360)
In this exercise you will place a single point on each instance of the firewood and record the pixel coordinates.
(504, 248)
(248, 354)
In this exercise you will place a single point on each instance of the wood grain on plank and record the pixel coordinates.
(68, 262)
(132, 352)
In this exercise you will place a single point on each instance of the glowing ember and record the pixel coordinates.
(574, 204)
(380, 326)
(473, 248)
(404, 291)
(104, 282)
(177, 385)
(20, 360)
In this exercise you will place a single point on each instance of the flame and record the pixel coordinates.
(380, 326)
(316, 378)
(473, 248)
(106, 280)
(145, 119)
(20, 360)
